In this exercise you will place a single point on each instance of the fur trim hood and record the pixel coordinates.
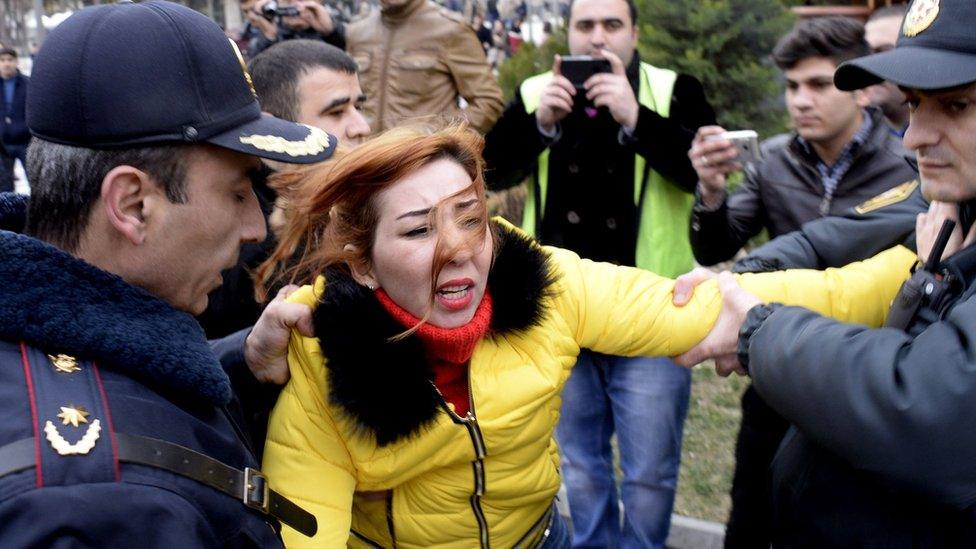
(56, 302)
(386, 386)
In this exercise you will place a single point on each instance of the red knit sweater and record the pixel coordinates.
(449, 350)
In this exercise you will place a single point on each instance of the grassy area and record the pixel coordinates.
(709, 443)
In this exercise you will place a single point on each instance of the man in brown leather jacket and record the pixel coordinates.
(417, 59)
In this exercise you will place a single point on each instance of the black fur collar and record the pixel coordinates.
(386, 386)
(58, 303)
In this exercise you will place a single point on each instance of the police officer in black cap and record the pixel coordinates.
(883, 453)
(117, 424)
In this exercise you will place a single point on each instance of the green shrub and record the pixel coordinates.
(530, 61)
(725, 44)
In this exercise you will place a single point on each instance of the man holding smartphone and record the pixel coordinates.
(611, 180)
(839, 155)
(289, 19)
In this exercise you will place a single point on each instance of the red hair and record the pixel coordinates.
(334, 203)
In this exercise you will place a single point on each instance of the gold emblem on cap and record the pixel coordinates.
(65, 448)
(65, 364)
(316, 142)
(73, 415)
(240, 59)
(920, 17)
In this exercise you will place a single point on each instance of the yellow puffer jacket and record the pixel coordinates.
(366, 444)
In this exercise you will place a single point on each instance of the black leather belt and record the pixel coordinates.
(249, 486)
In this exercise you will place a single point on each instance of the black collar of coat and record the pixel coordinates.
(386, 386)
(60, 304)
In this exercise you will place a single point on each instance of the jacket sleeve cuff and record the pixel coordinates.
(549, 138)
(700, 205)
(754, 319)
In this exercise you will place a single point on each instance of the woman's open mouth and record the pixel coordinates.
(456, 294)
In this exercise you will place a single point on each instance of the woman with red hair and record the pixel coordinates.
(423, 412)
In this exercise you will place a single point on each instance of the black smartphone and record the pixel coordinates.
(579, 68)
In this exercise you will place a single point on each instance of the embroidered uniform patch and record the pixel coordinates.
(887, 198)
(920, 17)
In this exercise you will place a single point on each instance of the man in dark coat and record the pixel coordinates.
(610, 179)
(13, 122)
(117, 419)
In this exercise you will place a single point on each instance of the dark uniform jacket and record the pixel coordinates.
(590, 204)
(882, 451)
(785, 190)
(863, 231)
(132, 369)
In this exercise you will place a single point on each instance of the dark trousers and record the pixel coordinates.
(760, 434)
(6, 172)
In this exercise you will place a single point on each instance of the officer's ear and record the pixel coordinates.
(862, 99)
(124, 198)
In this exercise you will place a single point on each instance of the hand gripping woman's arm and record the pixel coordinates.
(627, 311)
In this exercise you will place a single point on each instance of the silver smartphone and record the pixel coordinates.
(746, 141)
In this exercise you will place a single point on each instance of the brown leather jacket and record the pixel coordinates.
(416, 60)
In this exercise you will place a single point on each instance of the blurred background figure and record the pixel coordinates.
(499, 44)
(881, 31)
(483, 30)
(14, 134)
(418, 60)
(273, 21)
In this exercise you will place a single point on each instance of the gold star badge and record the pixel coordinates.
(73, 415)
(65, 364)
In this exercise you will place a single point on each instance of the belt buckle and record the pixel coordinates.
(256, 490)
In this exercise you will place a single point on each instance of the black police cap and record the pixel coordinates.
(129, 74)
(935, 50)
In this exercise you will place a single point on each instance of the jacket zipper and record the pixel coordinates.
(389, 518)
(384, 70)
(825, 204)
(470, 422)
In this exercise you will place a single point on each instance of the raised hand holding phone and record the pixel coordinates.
(612, 90)
(557, 99)
(713, 157)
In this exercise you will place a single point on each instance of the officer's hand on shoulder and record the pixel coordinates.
(556, 101)
(266, 347)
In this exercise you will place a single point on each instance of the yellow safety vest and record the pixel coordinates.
(664, 209)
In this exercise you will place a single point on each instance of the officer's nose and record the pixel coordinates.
(253, 226)
(923, 128)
